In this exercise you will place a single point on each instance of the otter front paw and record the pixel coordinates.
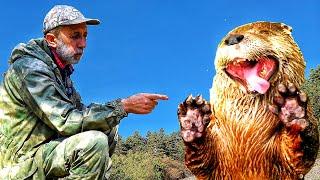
(194, 115)
(290, 105)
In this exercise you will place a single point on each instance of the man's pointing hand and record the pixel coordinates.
(142, 103)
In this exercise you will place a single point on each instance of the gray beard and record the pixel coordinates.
(65, 53)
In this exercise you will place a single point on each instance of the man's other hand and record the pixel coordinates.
(142, 103)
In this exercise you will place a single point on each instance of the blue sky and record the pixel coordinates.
(157, 46)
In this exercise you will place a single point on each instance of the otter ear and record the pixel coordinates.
(286, 28)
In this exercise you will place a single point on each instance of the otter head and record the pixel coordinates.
(255, 57)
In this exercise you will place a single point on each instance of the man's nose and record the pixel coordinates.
(82, 43)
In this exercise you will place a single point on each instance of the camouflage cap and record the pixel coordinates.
(65, 15)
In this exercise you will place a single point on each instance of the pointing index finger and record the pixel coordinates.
(156, 96)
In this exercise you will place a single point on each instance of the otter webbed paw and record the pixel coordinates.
(194, 115)
(290, 105)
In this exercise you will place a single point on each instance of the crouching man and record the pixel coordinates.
(45, 130)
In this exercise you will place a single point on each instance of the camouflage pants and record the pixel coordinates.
(82, 156)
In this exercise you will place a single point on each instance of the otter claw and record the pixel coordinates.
(292, 88)
(199, 100)
(189, 99)
(303, 97)
(282, 88)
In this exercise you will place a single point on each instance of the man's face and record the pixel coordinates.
(71, 42)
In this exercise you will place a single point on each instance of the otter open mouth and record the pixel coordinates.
(254, 75)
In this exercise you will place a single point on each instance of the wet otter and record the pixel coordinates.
(257, 124)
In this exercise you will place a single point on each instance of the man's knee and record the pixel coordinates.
(79, 154)
(93, 140)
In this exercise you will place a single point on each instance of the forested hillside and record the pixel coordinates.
(312, 88)
(156, 156)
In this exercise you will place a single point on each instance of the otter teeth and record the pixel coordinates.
(263, 72)
(237, 61)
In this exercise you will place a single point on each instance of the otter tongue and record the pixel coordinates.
(255, 83)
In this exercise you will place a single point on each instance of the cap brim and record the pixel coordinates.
(76, 21)
(92, 21)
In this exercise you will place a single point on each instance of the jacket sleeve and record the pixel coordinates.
(40, 92)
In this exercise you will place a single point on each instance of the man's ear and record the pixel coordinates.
(51, 40)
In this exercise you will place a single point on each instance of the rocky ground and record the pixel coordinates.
(314, 173)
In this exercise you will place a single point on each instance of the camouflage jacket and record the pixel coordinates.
(35, 108)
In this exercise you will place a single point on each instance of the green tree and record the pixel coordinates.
(120, 148)
(158, 156)
(312, 88)
(134, 143)
(175, 147)
(137, 166)
(156, 142)
(152, 141)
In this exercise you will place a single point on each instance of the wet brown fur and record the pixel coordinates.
(244, 140)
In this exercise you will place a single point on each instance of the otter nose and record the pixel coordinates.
(233, 39)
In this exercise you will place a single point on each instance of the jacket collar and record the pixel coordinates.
(57, 60)
(39, 49)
